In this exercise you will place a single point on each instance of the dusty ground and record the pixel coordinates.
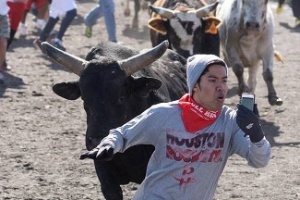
(42, 135)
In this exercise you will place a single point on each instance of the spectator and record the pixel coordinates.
(42, 14)
(4, 35)
(17, 8)
(105, 8)
(193, 137)
(295, 4)
(57, 9)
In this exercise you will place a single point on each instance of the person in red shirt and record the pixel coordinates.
(17, 8)
(42, 7)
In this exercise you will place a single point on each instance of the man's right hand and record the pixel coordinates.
(102, 152)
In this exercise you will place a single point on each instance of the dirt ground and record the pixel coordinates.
(42, 135)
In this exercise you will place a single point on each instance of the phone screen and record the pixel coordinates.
(248, 102)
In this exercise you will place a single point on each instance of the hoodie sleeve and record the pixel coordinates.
(143, 129)
(257, 154)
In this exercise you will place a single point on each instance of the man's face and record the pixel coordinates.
(211, 90)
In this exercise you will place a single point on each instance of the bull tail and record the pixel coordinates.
(278, 57)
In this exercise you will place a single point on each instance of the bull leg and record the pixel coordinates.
(272, 96)
(239, 73)
(232, 58)
(127, 9)
(109, 186)
(137, 7)
(223, 53)
(252, 71)
(268, 63)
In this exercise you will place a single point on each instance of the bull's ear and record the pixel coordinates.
(67, 90)
(158, 25)
(212, 24)
(144, 85)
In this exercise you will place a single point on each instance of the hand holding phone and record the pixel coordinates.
(248, 121)
(247, 118)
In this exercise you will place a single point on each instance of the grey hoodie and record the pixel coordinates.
(185, 165)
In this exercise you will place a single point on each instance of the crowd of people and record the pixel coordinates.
(47, 13)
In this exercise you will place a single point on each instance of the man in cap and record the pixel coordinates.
(193, 137)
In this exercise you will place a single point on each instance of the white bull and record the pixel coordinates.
(246, 36)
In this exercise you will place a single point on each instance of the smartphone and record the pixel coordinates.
(248, 100)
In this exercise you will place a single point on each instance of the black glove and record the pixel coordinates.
(101, 152)
(248, 121)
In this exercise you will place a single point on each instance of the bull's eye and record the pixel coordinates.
(121, 99)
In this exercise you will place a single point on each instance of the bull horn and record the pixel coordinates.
(204, 11)
(71, 62)
(138, 62)
(163, 12)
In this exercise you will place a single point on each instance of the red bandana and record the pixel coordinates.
(194, 116)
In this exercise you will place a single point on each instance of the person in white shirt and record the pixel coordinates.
(66, 9)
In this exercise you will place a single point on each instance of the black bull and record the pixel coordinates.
(116, 84)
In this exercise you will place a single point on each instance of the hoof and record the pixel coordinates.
(127, 12)
(275, 101)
